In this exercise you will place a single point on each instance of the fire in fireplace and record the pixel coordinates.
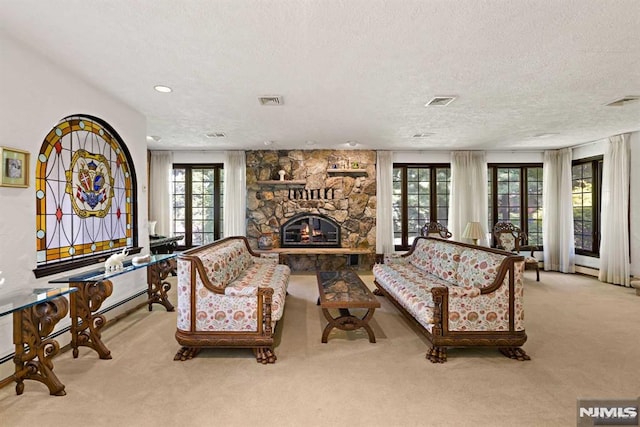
(310, 230)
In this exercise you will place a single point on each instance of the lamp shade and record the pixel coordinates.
(474, 231)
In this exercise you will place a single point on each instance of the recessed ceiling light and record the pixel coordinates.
(267, 143)
(352, 143)
(163, 89)
(311, 142)
(154, 138)
(215, 135)
(271, 100)
(440, 101)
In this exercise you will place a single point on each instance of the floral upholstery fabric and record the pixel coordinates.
(420, 258)
(478, 268)
(236, 309)
(469, 310)
(438, 258)
(411, 287)
(265, 276)
(507, 241)
(183, 309)
(395, 258)
(224, 264)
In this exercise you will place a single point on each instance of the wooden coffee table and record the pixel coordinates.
(343, 290)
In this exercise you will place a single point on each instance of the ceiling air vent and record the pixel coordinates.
(216, 135)
(623, 101)
(440, 101)
(423, 135)
(271, 100)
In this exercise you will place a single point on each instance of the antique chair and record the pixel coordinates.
(511, 238)
(435, 229)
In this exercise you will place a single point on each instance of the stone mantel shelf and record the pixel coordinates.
(285, 182)
(347, 171)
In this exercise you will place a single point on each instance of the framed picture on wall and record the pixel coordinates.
(14, 168)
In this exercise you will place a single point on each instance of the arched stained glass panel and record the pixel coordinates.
(84, 192)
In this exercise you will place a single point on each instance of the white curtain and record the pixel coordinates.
(469, 193)
(384, 209)
(614, 243)
(160, 173)
(235, 194)
(557, 212)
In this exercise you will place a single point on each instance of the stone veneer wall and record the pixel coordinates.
(347, 198)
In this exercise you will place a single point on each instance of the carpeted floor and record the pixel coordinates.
(584, 341)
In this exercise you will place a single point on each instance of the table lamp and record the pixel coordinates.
(474, 231)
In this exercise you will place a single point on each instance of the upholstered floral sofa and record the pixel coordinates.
(228, 296)
(458, 295)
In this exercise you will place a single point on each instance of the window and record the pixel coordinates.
(197, 203)
(515, 195)
(85, 193)
(420, 194)
(586, 177)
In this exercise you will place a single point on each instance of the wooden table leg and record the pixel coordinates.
(348, 322)
(157, 286)
(85, 325)
(34, 352)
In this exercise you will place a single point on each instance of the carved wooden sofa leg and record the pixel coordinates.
(264, 355)
(515, 353)
(186, 353)
(437, 354)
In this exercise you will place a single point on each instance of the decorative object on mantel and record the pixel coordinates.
(142, 259)
(114, 262)
(265, 241)
(473, 231)
(282, 174)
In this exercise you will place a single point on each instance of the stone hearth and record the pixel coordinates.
(338, 184)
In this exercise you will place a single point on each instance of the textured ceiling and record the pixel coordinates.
(352, 70)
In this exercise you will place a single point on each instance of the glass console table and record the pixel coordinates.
(35, 314)
(94, 287)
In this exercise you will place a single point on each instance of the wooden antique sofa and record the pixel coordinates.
(458, 295)
(228, 296)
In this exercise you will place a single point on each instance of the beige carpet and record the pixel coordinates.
(584, 341)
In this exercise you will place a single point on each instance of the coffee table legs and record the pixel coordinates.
(348, 322)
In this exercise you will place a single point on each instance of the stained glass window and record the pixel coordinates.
(84, 192)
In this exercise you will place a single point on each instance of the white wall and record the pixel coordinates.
(445, 157)
(198, 157)
(36, 94)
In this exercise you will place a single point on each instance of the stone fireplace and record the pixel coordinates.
(310, 230)
(336, 185)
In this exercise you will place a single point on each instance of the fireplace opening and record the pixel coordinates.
(310, 230)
